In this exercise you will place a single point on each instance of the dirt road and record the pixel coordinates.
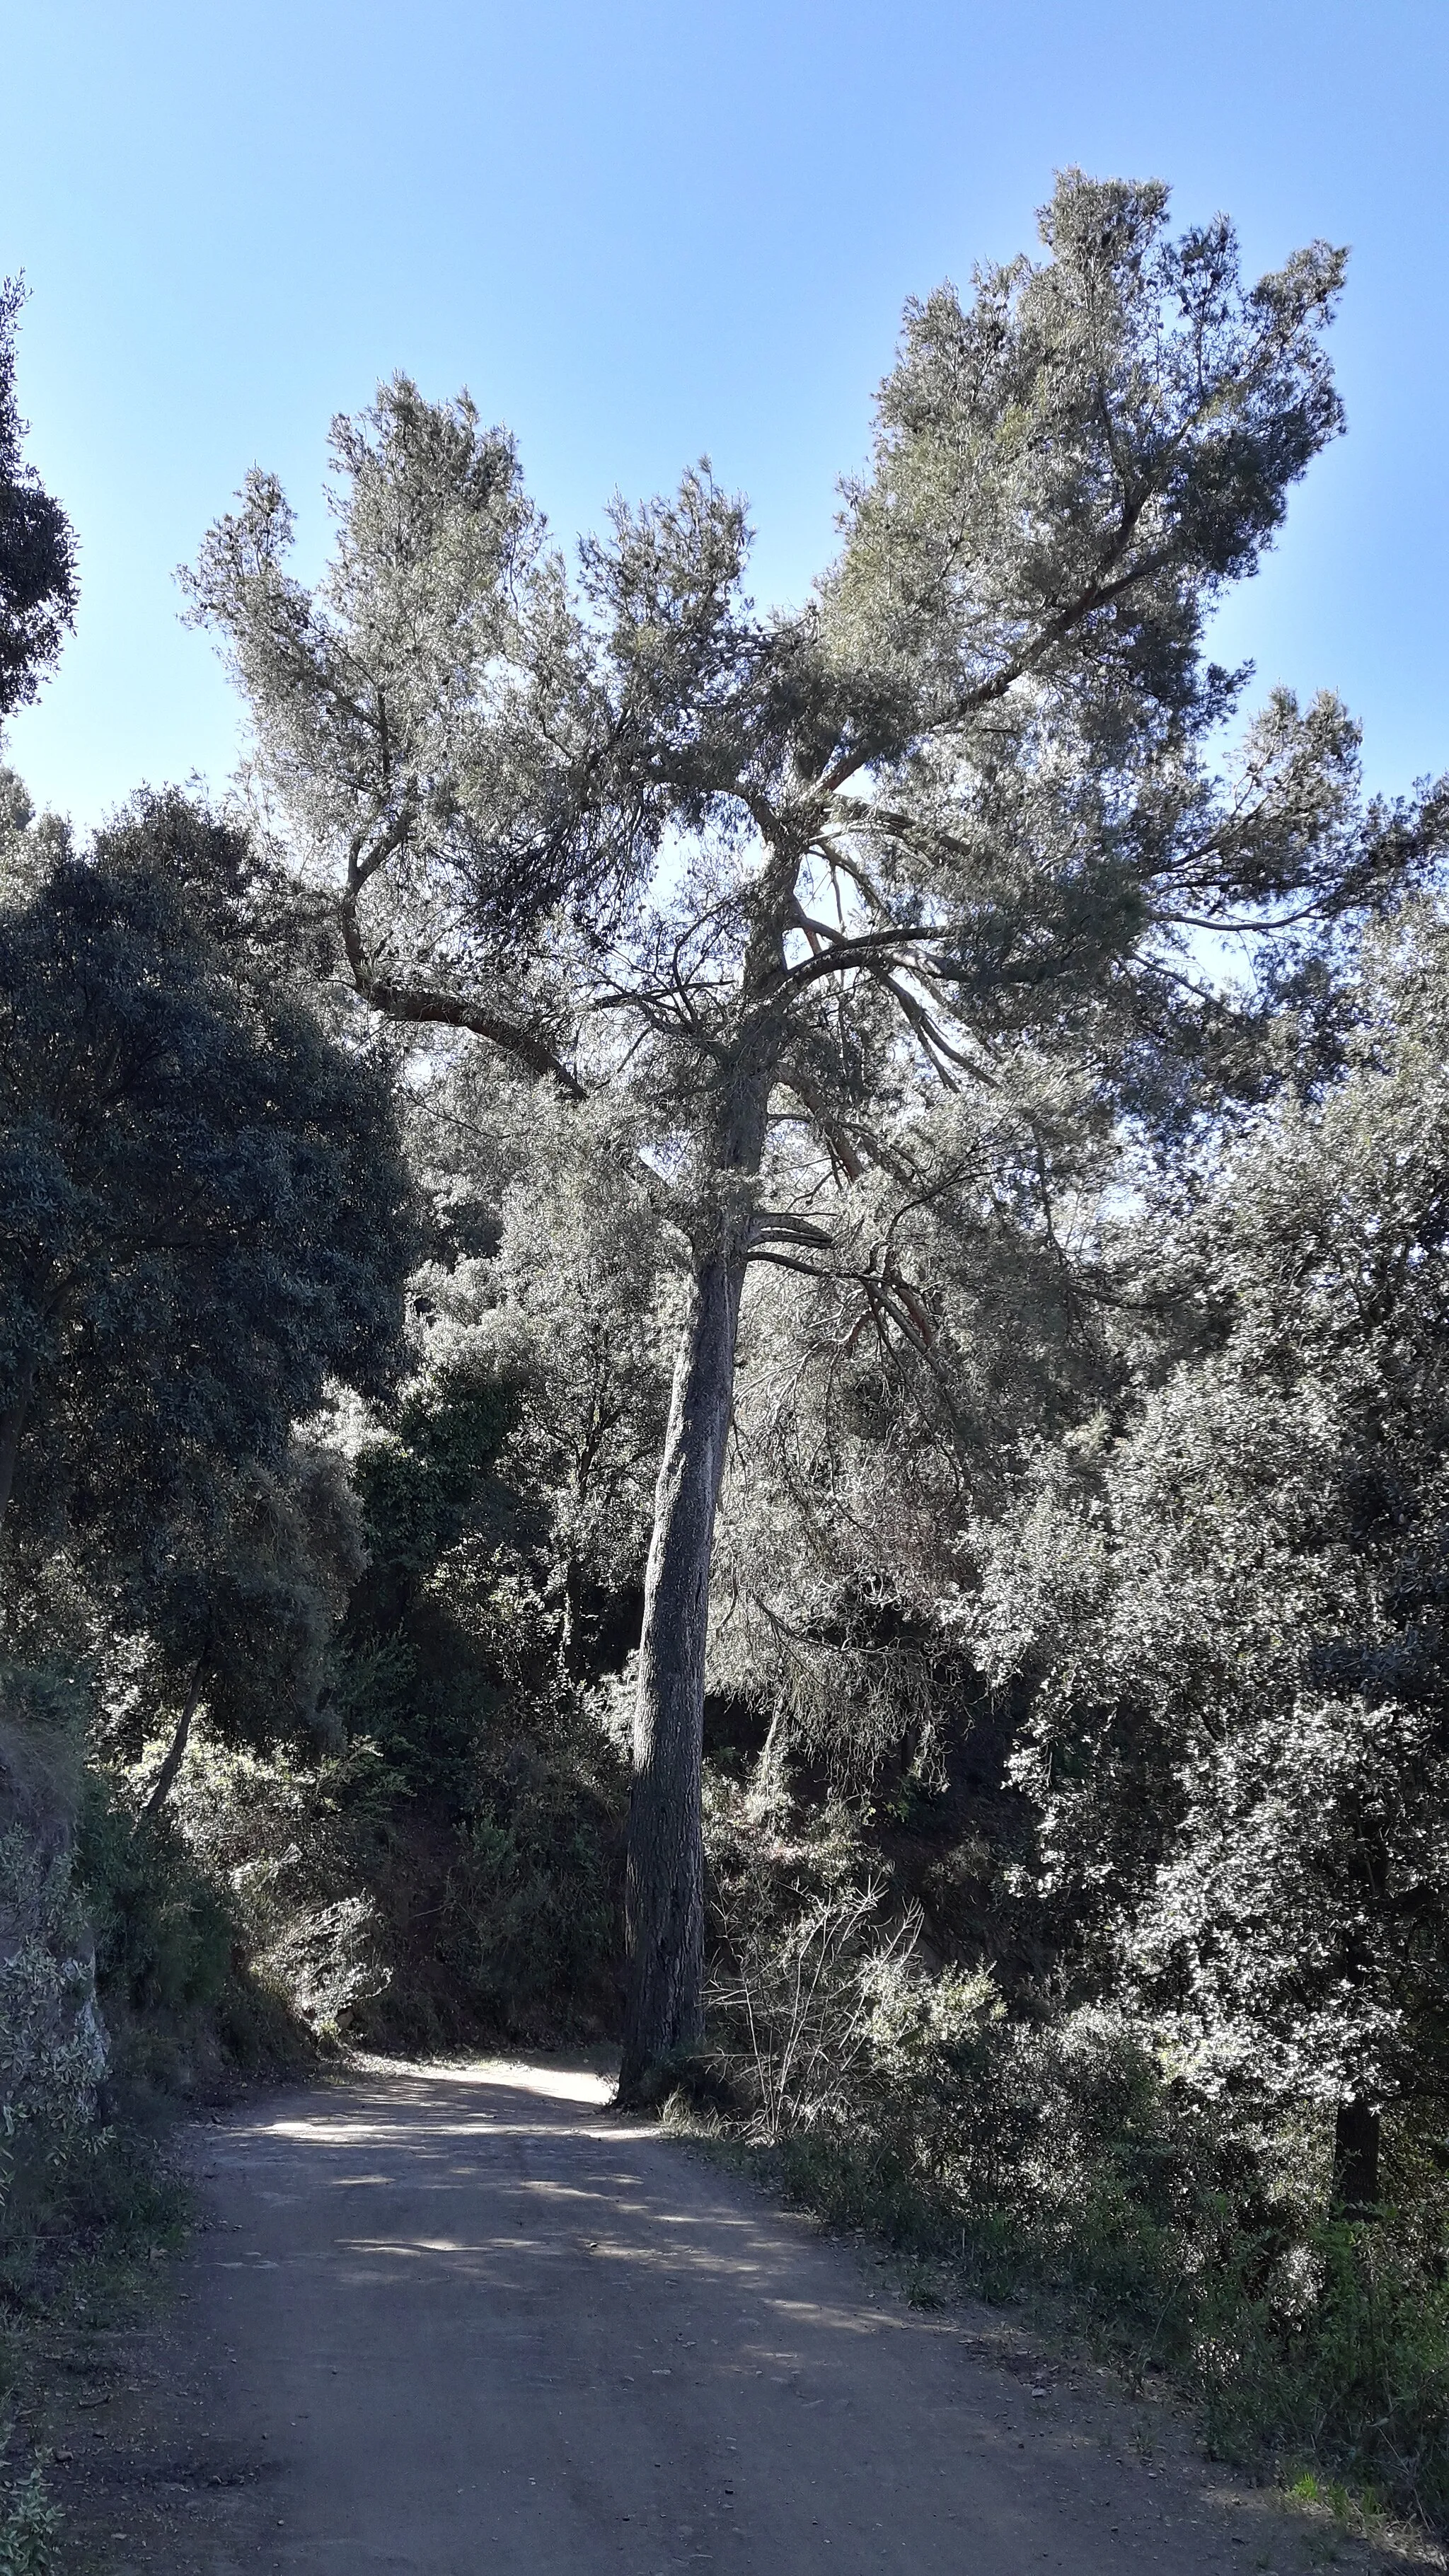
(468, 2323)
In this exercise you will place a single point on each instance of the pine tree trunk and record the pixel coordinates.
(665, 1879)
(1355, 2160)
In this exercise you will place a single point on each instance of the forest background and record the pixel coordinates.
(1063, 1710)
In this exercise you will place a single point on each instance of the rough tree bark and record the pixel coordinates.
(664, 1887)
(664, 1876)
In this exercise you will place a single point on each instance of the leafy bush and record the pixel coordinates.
(184, 2006)
(382, 1907)
(530, 1930)
(104, 2198)
(52, 2044)
(164, 1932)
(1072, 2161)
(274, 1831)
(30, 2530)
(1076, 2158)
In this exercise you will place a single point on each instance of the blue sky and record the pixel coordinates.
(647, 231)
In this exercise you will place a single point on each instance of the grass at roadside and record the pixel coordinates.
(1341, 2395)
(81, 2232)
(1079, 2162)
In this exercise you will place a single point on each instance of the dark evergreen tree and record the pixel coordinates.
(38, 584)
(204, 1211)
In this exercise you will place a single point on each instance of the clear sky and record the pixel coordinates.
(649, 229)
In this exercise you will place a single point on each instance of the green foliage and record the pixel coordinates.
(262, 1595)
(425, 1483)
(1071, 2165)
(956, 817)
(80, 2226)
(437, 1625)
(163, 1938)
(941, 845)
(475, 1818)
(158, 1043)
(453, 1870)
(1228, 1609)
(52, 2048)
(1074, 2157)
(279, 1831)
(1127, 363)
(531, 1931)
(467, 1886)
(182, 2003)
(38, 583)
(575, 1302)
(30, 2527)
(52, 2044)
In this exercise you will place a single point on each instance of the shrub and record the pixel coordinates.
(184, 2006)
(530, 1929)
(30, 2530)
(52, 2043)
(1073, 2162)
(1074, 2158)
(379, 1909)
(797, 2014)
(52, 2040)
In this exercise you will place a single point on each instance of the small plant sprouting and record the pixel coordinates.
(30, 2531)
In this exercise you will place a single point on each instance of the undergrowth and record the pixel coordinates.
(187, 2013)
(80, 2228)
(1322, 2343)
(88, 2201)
(1070, 2161)
(29, 2528)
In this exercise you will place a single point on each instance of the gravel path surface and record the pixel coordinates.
(467, 2322)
